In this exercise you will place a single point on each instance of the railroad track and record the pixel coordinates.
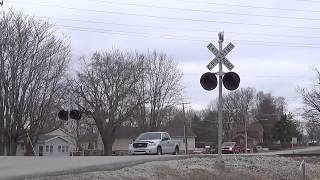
(300, 155)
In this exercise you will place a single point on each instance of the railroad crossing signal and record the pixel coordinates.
(220, 56)
(231, 80)
(73, 114)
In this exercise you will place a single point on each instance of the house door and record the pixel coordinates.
(40, 150)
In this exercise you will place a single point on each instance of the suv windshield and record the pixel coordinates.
(149, 136)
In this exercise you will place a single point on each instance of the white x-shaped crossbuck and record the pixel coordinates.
(220, 56)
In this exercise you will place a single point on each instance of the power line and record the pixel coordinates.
(209, 11)
(313, 1)
(180, 29)
(183, 19)
(144, 35)
(188, 39)
(234, 5)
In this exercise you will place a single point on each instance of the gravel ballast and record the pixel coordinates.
(237, 167)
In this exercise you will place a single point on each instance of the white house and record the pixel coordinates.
(55, 143)
(52, 145)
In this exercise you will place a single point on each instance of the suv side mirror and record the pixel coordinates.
(165, 139)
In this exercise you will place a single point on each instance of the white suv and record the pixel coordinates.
(154, 143)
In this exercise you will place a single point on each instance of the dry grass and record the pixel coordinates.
(237, 168)
(168, 173)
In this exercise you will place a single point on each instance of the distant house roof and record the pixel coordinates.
(254, 130)
(88, 137)
(252, 134)
(179, 132)
(255, 126)
(46, 138)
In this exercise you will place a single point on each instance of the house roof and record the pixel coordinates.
(255, 126)
(251, 134)
(46, 138)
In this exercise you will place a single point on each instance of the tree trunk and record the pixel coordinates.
(12, 148)
(2, 145)
(29, 148)
(107, 144)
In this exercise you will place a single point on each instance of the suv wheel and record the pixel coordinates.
(159, 151)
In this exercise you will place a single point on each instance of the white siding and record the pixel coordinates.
(121, 144)
(56, 142)
(61, 133)
(182, 146)
(100, 143)
(20, 150)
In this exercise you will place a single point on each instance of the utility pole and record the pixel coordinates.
(245, 134)
(185, 129)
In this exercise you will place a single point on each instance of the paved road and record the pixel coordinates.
(20, 167)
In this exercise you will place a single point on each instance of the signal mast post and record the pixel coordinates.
(219, 161)
(230, 80)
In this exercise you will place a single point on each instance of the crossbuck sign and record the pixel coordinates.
(220, 56)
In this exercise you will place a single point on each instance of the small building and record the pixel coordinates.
(90, 145)
(55, 143)
(254, 135)
(178, 135)
(52, 145)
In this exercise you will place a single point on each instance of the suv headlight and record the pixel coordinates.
(230, 148)
(151, 144)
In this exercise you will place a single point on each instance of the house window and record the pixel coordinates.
(51, 148)
(59, 148)
(62, 148)
(47, 148)
(67, 148)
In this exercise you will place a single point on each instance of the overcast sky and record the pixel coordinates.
(276, 42)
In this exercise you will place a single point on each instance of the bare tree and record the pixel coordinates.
(237, 106)
(161, 87)
(311, 100)
(268, 111)
(107, 92)
(267, 104)
(313, 130)
(32, 67)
